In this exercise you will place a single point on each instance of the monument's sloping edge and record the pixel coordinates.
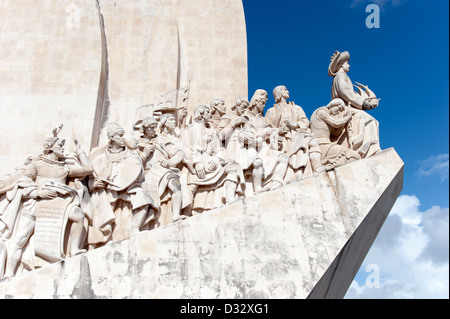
(340, 274)
(278, 244)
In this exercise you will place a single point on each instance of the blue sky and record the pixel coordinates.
(406, 63)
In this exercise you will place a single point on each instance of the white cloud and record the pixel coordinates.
(411, 252)
(435, 166)
(435, 226)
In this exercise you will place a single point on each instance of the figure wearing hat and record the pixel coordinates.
(120, 205)
(365, 129)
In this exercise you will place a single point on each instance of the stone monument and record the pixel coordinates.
(92, 62)
(188, 190)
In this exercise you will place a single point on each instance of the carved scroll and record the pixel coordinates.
(51, 221)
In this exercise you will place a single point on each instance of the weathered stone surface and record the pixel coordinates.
(87, 63)
(278, 244)
(157, 46)
(51, 56)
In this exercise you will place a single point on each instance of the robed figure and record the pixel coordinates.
(365, 129)
(120, 205)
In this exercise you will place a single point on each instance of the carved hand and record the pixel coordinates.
(149, 149)
(78, 150)
(213, 164)
(250, 140)
(283, 130)
(98, 184)
(239, 121)
(367, 105)
(200, 170)
(182, 113)
(292, 125)
(348, 115)
(307, 132)
(165, 163)
(47, 194)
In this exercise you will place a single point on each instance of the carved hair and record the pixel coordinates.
(163, 120)
(214, 103)
(50, 142)
(147, 122)
(257, 97)
(239, 101)
(336, 102)
(277, 93)
(114, 128)
(199, 111)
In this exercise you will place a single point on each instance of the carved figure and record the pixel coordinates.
(49, 204)
(207, 168)
(275, 162)
(182, 116)
(2, 258)
(365, 128)
(162, 154)
(120, 205)
(300, 144)
(219, 117)
(330, 125)
(255, 113)
(12, 187)
(242, 144)
(189, 166)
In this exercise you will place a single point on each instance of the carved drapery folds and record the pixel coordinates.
(174, 165)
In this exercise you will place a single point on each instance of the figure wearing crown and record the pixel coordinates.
(46, 199)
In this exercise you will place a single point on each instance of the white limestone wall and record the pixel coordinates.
(89, 62)
(50, 65)
(157, 46)
(305, 237)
